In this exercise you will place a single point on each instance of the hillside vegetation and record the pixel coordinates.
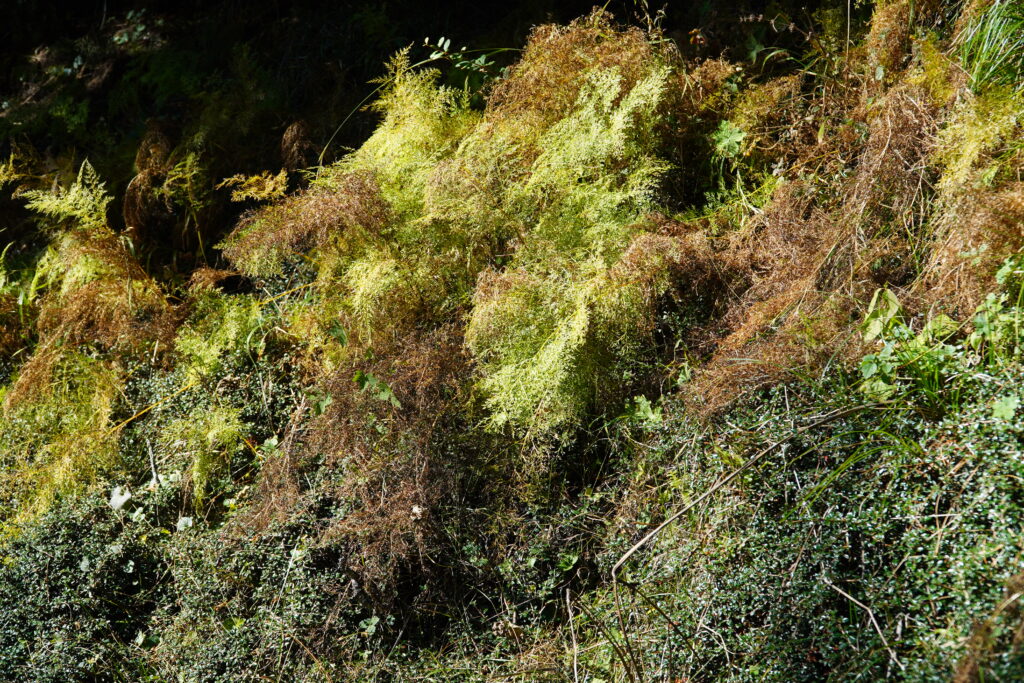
(634, 355)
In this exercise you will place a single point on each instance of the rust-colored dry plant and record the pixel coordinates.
(306, 220)
(545, 83)
(819, 249)
(389, 436)
(974, 234)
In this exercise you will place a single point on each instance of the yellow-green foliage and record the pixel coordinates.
(551, 346)
(96, 291)
(318, 324)
(84, 203)
(391, 275)
(187, 183)
(61, 438)
(422, 124)
(208, 439)
(9, 171)
(385, 294)
(71, 263)
(977, 129)
(261, 187)
(554, 196)
(597, 172)
(65, 267)
(75, 257)
(219, 327)
(561, 327)
(933, 71)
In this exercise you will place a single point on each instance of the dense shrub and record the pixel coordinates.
(252, 605)
(77, 586)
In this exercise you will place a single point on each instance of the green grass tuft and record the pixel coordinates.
(991, 47)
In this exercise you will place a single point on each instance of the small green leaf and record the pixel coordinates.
(567, 561)
(728, 139)
(882, 311)
(232, 623)
(323, 403)
(369, 626)
(338, 332)
(1004, 408)
(378, 389)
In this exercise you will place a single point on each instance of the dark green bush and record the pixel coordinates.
(77, 587)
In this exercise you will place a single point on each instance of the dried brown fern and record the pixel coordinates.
(815, 259)
(297, 149)
(974, 233)
(545, 83)
(390, 478)
(307, 220)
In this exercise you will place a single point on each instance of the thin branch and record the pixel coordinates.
(728, 478)
(572, 632)
(871, 615)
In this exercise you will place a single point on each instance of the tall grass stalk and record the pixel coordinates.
(992, 47)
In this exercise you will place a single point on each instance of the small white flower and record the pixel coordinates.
(118, 497)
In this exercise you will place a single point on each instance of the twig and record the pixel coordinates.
(152, 462)
(285, 293)
(728, 478)
(666, 617)
(846, 55)
(572, 632)
(871, 615)
(611, 641)
(625, 633)
(292, 634)
(150, 407)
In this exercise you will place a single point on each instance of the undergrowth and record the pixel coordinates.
(640, 359)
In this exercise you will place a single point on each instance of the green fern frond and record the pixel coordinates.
(8, 171)
(220, 327)
(83, 204)
(209, 438)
